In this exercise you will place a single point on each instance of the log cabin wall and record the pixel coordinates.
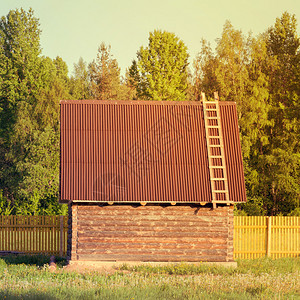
(151, 233)
(72, 232)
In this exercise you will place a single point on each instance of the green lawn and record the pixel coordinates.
(28, 277)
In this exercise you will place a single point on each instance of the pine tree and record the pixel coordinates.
(133, 81)
(105, 76)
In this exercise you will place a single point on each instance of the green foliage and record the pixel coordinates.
(295, 212)
(38, 260)
(105, 75)
(79, 83)
(231, 72)
(40, 167)
(253, 207)
(31, 87)
(282, 159)
(205, 78)
(163, 67)
(262, 76)
(20, 82)
(133, 80)
(5, 205)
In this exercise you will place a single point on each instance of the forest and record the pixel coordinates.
(260, 73)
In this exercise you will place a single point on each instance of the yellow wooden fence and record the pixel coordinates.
(34, 234)
(254, 237)
(275, 237)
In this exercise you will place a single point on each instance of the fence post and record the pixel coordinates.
(61, 244)
(269, 225)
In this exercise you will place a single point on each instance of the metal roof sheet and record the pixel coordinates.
(143, 151)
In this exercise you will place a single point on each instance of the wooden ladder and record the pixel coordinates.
(215, 151)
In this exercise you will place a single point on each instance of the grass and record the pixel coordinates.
(255, 266)
(29, 277)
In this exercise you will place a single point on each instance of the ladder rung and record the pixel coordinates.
(217, 167)
(213, 118)
(220, 191)
(214, 146)
(216, 156)
(213, 126)
(220, 179)
(214, 137)
(211, 109)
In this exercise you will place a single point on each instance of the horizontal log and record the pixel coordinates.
(165, 246)
(152, 251)
(191, 220)
(154, 228)
(164, 240)
(129, 234)
(149, 206)
(133, 212)
(155, 217)
(150, 209)
(147, 258)
(140, 251)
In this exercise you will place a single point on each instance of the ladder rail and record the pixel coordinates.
(214, 107)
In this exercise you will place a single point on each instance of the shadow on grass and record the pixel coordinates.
(32, 296)
(32, 260)
(162, 292)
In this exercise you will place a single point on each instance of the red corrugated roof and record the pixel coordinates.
(136, 151)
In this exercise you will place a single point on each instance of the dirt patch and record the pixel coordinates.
(82, 267)
(110, 267)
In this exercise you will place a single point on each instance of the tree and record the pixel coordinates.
(253, 127)
(205, 66)
(133, 81)
(282, 161)
(236, 71)
(80, 84)
(163, 67)
(54, 74)
(231, 72)
(105, 76)
(31, 87)
(20, 82)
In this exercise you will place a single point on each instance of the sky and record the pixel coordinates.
(75, 28)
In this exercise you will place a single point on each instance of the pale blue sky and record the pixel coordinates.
(75, 28)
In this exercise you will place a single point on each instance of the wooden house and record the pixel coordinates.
(150, 181)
